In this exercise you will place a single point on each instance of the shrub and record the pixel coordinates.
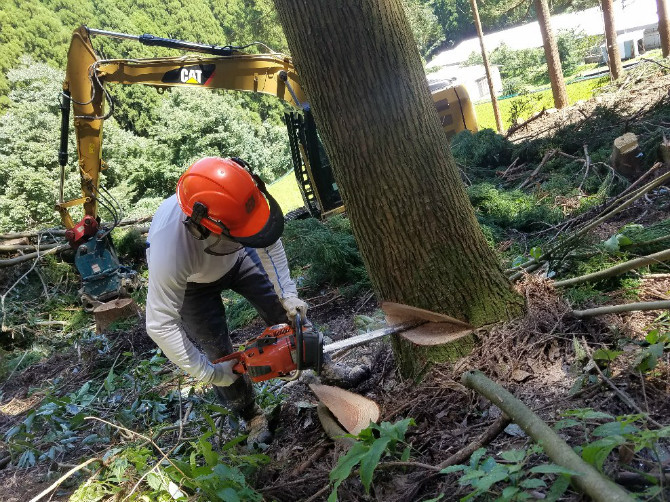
(325, 251)
(484, 148)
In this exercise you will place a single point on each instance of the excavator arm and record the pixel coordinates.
(87, 75)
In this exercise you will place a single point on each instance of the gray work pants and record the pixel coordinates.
(204, 319)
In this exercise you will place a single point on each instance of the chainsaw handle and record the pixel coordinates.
(240, 368)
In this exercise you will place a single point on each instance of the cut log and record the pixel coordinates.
(627, 156)
(352, 411)
(115, 310)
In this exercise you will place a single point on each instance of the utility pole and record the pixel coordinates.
(487, 67)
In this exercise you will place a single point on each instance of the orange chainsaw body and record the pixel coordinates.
(275, 353)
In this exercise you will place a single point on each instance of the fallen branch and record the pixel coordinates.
(517, 127)
(27, 257)
(547, 156)
(26, 247)
(626, 307)
(589, 480)
(604, 215)
(58, 482)
(488, 435)
(619, 269)
(60, 232)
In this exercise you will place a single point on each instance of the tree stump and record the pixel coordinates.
(664, 151)
(418, 349)
(627, 157)
(106, 313)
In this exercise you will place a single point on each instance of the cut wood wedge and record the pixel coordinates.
(397, 313)
(435, 333)
(352, 411)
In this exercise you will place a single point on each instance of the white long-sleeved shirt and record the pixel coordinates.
(176, 258)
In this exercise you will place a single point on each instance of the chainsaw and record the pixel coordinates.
(282, 349)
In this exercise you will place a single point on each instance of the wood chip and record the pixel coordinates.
(354, 412)
(435, 333)
(520, 375)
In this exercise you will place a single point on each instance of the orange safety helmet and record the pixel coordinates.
(224, 197)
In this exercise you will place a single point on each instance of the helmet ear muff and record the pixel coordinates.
(193, 225)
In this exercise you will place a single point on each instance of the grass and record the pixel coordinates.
(285, 190)
(534, 102)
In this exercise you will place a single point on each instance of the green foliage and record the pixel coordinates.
(528, 67)
(424, 25)
(372, 443)
(209, 472)
(130, 244)
(484, 476)
(239, 312)
(579, 90)
(602, 439)
(196, 124)
(509, 209)
(655, 344)
(325, 251)
(484, 149)
(522, 107)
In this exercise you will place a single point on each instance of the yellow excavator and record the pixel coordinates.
(205, 66)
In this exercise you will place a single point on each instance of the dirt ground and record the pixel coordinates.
(635, 95)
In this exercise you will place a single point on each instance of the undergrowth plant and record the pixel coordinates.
(511, 478)
(371, 445)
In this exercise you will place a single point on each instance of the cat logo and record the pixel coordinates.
(193, 75)
(190, 76)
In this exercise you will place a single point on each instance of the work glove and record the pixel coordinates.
(223, 373)
(294, 305)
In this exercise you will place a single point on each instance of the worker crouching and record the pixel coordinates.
(220, 231)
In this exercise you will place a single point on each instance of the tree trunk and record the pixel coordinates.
(551, 55)
(613, 55)
(663, 26)
(415, 227)
(487, 67)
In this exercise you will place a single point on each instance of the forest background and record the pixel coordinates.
(154, 136)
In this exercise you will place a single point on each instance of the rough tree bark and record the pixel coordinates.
(409, 211)
(613, 55)
(663, 26)
(487, 66)
(551, 54)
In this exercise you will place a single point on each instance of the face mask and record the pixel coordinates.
(221, 246)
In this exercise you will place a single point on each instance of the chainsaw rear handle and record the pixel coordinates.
(239, 368)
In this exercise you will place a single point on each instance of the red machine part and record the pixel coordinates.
(87, 227)
(271, 355)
